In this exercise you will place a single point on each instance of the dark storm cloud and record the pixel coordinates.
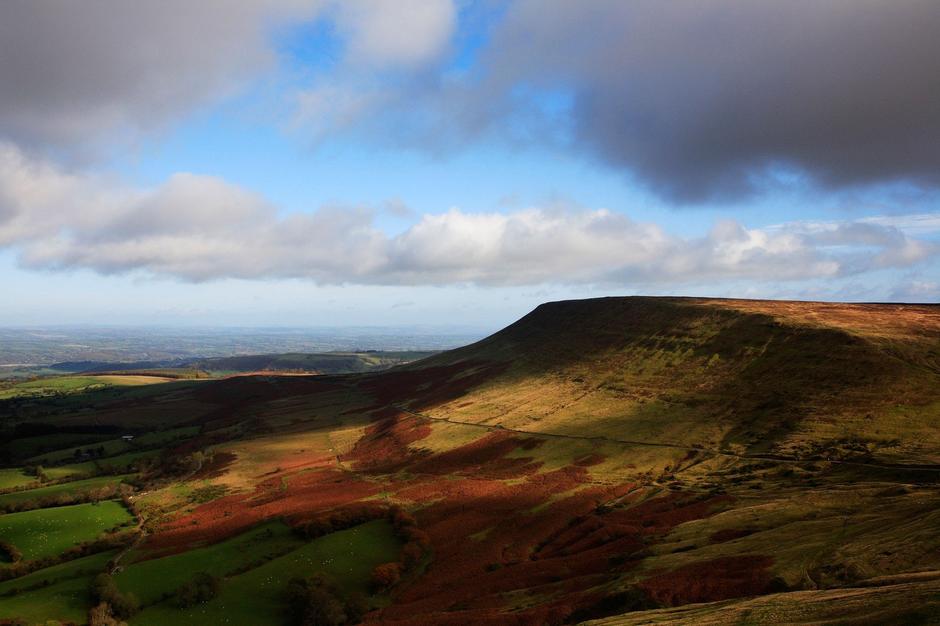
(74, 71)
(702, 100)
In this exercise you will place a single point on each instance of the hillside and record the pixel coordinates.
(311, 363)
(785, 378)
(628, 460)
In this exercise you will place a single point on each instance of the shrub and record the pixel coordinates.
(12, 552)
(122, 605)
(100, 615)
(202, 588)
(385, 575)
(315, 602)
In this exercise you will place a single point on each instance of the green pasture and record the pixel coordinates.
(78, 486)
(150, 579)
(15, 477)
(347, 557)
(85, 566)
(118, 447)
(48, 532)
(66, 601)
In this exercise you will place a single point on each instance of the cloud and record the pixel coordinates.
(703, 99)
(392, 52)
(700, 101)
(199, 228)
(917, 291)
(79, 74)
(395, 33)
(75, 71)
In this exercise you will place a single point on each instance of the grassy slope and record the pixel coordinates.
(153, 578)
(788, 379)
(347, 557)
(74, 487)
(911, 602)
(59, 592)
(74, 384)
(48, 532)
(324, 363)
(64, 600)
(15, 477)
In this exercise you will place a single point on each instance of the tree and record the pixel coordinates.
(385, 575)
(122, 605)
(202, 588)
(315, 601)
(100, 615)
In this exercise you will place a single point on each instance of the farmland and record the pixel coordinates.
(49, 532)
(347, 557)
(621, 460)
(73, 384)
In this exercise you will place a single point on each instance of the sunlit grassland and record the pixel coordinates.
(73, 384)
(49, 532)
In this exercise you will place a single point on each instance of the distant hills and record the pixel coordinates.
(316, 363)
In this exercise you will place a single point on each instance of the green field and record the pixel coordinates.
(15, 477)
(85, 566)
(48, 532)
(72, 384)
(347, 557)
(150, 579)
(117, 448)
(75, 487)
(119, 463)
(66, 600)
(25, 448)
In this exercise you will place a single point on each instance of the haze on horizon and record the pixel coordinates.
(324, 163)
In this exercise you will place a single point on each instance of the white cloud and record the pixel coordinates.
(202, 228)
(396, 33)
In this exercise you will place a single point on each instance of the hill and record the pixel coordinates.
(311, 363)
(628, 460)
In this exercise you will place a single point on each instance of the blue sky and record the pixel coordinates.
(453, 163)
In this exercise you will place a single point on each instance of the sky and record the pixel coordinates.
(456, 163)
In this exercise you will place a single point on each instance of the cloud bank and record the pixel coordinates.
(200, 228)
(699, 101)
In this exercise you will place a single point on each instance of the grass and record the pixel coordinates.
(73, 384)
(150, 579)
(118, 447)
(347, 557)
(33, 447)
(49, 532)
(65, 601)
(52, 491)
(15, 477)
(85, 566)
(120, 463)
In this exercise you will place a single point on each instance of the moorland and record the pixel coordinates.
(607, 461)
